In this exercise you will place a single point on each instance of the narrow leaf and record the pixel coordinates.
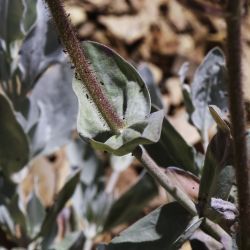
(157, 230)
(130, 204)
(218, 173)
(14, 148)
(50, 219)
(172, 149)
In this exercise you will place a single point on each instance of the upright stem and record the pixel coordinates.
(78, 58)
(237, 112)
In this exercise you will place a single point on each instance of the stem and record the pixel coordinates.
(162, 178)
(237, 113)
(158, 173)
(78, 58)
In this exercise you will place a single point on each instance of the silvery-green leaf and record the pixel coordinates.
(35, 215)
(72, 241)
(128, 95)
(34, 60)
(48, 228)
(131, 203)
(14, 148)
(120, 163)
(6, 221)
(146, 132)
(29, 14)
(122, 85)
(154, 90)
(172, 150)
(11, 12)
(157, 230)
(218, 173)
(208, 87)
(186, 91)
(53, 94)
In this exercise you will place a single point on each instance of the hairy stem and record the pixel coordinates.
(78, 58)
(162, 178)
(237, 113)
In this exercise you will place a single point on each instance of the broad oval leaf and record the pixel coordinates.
(208, 88)
(14, 147)
(128, 95)
(158, 230)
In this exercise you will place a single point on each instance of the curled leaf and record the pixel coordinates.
(128, 95)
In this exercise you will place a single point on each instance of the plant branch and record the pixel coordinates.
(162, 178)
(78, 58)
(237, 113)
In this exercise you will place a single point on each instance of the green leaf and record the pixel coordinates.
(17, 214)
(157, 230)
(11, 12)
(72, 241)
(35, 60)
(50, 219)
(8, 189)
(6, 222)
(208, 88)
(29, 15)
(14, 148)
(121, 163)
(58, 115)
(218, 174)
(154, 90)
(146, 132)
(35, 215)
(172, 149)
(131, 203)
(82, 156)
(125, 90)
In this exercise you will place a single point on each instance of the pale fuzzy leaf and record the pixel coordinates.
(122, 84)
(145, 132)
(120, 163)
(125, 90)
(208, 87)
